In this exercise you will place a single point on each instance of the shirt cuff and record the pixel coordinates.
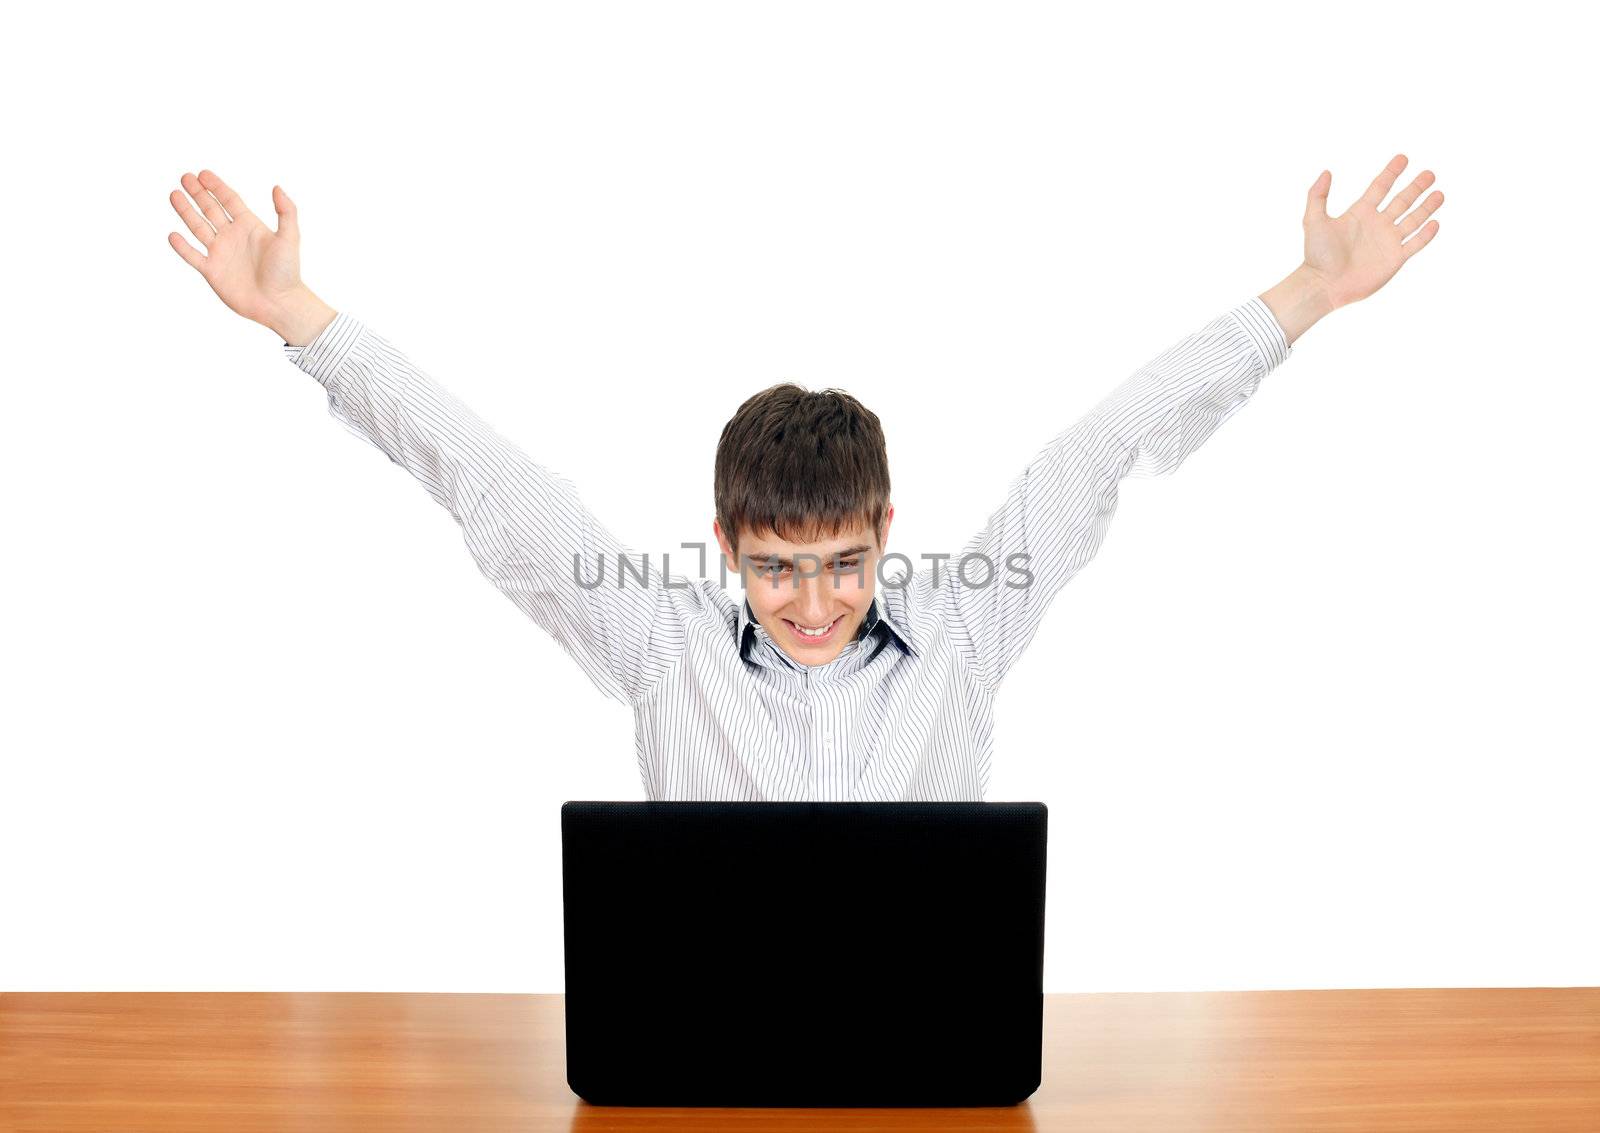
(1255, 318)
(322, 356)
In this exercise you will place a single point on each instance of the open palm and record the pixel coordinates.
(251, 268)
(1359, 251)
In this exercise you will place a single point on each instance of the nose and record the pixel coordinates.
(814, 605)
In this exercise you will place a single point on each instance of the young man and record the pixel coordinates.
(819, 685)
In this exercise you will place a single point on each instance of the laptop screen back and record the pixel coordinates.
(776, 954)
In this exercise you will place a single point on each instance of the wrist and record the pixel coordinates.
(1298, 301)
(300, 317)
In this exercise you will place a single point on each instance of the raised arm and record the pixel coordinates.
(1056, 512)
(523, 524)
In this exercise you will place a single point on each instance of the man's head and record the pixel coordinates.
(803, 513)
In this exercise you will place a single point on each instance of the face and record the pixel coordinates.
(794, 587)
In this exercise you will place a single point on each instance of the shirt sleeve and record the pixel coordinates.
(1057, 510)
(624, 623)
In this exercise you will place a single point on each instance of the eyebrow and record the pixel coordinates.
(844, 553)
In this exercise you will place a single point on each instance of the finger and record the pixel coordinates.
(288, 215)
(228, 198)
(191, 257)
(1414, 245)
(1384, 181)
(1402, 200)
(1317, 197)
(1417, 215)
(208, 204)
(197, 223)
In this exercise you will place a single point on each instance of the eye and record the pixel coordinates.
(849, 564)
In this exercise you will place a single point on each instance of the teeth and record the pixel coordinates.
(812, 632)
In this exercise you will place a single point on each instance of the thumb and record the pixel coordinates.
(288, 217)
(1317, 197)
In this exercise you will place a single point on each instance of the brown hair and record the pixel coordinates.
(802, 465)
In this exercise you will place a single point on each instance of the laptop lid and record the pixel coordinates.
(815, 954)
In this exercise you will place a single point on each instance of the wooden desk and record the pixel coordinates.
(1506, 1060)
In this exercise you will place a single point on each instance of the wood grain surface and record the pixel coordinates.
(240, 1062)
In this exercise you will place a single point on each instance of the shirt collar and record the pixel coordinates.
(877, 625)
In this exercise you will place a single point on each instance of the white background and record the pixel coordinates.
(1320, 714)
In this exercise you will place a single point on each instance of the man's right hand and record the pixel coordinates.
(253, 269)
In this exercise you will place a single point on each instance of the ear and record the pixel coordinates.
(722, 543)
(883, 536)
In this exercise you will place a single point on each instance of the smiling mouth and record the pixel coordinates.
(813, 638)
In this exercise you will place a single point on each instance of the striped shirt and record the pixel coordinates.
(905, 711)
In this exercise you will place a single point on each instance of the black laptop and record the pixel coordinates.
(803, 954)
